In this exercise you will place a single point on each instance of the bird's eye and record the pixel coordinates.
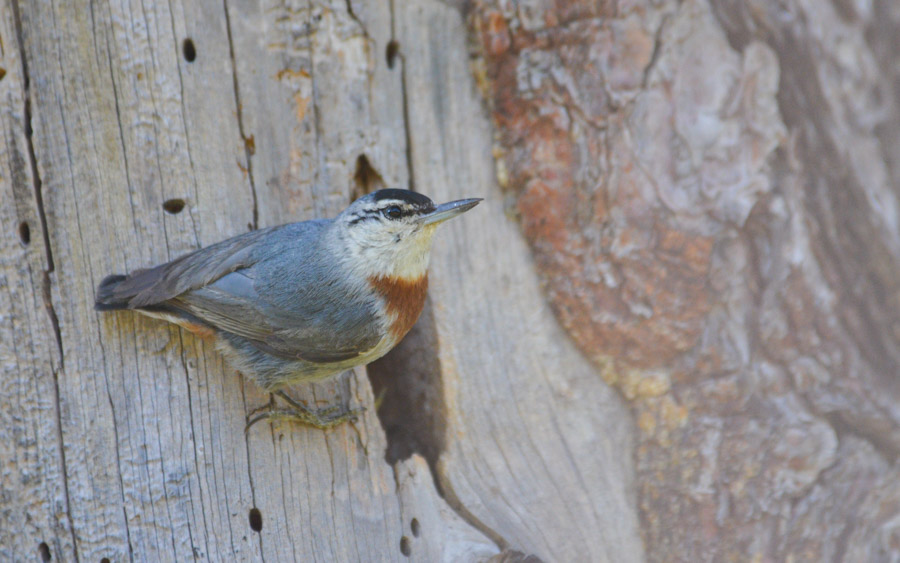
(393, 212)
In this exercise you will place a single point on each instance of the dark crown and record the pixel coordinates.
(412, 198)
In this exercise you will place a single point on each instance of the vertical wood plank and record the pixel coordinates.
(248, 114)
(122, 124)
(33, 503)
(532, 430)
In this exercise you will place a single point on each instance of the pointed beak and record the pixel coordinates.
(449, 210)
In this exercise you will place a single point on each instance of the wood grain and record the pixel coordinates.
(531, 428)
(33, 497)
(230, 108)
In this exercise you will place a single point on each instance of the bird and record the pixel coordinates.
(303, 301)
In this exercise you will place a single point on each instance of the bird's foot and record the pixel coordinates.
(327, 417)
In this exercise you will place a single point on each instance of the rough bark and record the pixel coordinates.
(710, 191)
(135, 132)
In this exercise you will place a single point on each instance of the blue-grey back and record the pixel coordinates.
(292, 299)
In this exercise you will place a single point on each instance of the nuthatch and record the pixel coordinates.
(303, 301)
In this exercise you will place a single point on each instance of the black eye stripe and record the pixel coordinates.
(405, 210)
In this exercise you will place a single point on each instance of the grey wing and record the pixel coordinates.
(143, 288)
(311, 328)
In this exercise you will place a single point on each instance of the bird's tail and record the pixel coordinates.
(106, 299)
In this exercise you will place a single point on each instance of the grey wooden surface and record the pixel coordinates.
(538, 447)
(123, 437)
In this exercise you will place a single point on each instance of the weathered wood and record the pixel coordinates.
(306, 142)
(709, 191)
(118, 130)
(134, 106)
(537, 448)
(33, 499)
(449, 538)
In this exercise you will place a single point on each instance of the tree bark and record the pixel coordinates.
(710, 189)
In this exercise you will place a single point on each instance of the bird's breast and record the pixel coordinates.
(403, 299)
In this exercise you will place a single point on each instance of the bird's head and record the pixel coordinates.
(388, 233)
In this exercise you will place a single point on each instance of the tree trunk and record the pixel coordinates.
(670, 332)
(710, 191)
(137, 132)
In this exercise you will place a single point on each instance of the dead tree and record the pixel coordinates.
(670, 331)
(136, 132)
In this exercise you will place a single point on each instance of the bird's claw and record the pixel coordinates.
(324, 418)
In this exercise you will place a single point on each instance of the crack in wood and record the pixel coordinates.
(115, 428)
(359, 22)
(190, 404)
(29, 134)
(243, 383)
(46, 293)
(434, 441)
(249, 143)
(404, 98)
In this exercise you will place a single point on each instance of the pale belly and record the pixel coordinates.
(272, 373)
